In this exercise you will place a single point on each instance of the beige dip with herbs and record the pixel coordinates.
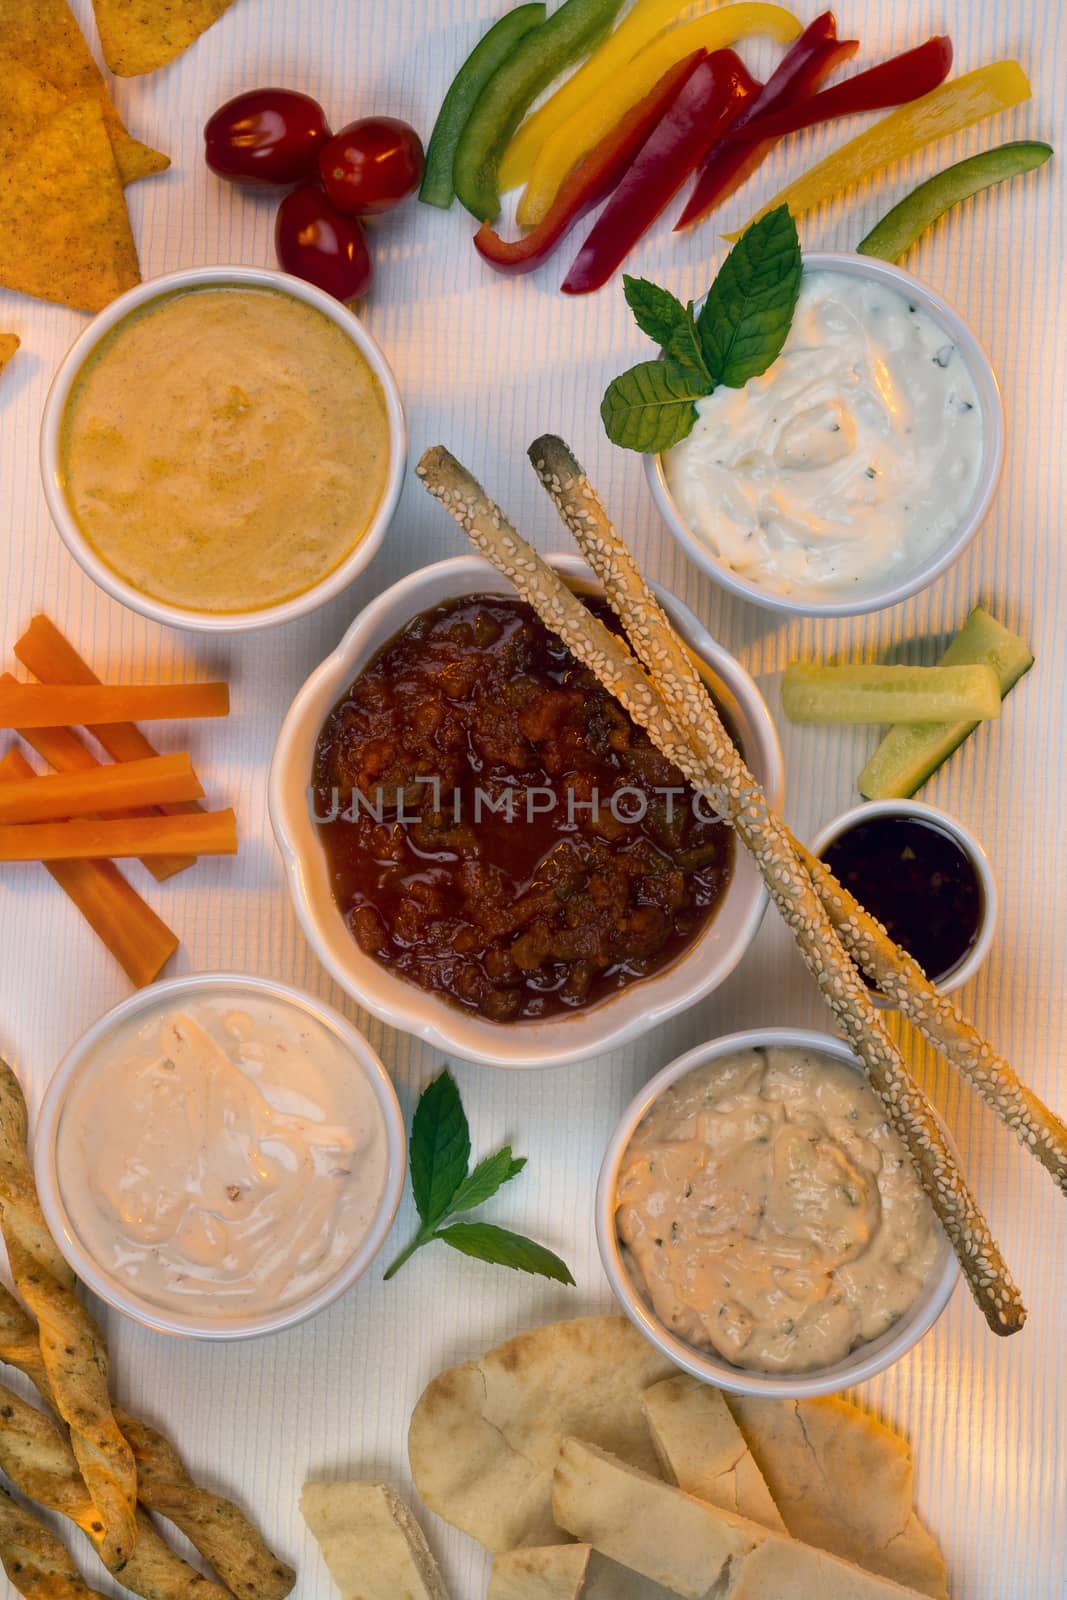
(771, 1215)
(224, 449)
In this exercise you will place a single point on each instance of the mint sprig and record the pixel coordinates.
(742, 326)
(439, 1155)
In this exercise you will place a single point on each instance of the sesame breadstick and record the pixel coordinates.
(35, 1560)
(72, 1347)
(895, 973)
(741, 798)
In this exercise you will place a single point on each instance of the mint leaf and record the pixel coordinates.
(650, 407)
(439, 1148)
(488, 1176)
(656, 311)
(502, 1248)
(749, 308)
(684, 351)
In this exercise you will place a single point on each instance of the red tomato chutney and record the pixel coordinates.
(470, 798)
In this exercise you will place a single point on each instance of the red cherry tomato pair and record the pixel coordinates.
(274, 137)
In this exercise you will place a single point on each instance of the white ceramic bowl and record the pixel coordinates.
(874, 598)
(112, 582)
(863, 1362)
(972, 960)
(403, 1005)
(117, 1293)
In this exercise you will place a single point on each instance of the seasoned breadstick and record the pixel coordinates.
(219, 1530)
(897, 975)
(40, 1463)
(72, 1347)
(35, 1560)
(722, 772)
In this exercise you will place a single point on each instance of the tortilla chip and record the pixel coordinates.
(371, 1543)
(9, 343)
(141, 35)
(64, 229)
(43, 37)
(540, 1572)
(485, 1437)
(843, 1482)
(25, 102)
(701, 1449)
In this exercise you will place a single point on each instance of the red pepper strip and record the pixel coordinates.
(592, 180)
(718, 88)
(729, 162)
(891, 83)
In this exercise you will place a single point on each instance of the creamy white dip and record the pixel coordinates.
(222, 1159)
(770, 1214)
(849, 461)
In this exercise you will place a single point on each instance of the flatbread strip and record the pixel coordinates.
(64, 229)
(540, 1572)
(371, 1543)
(844, 1482)
(219, 1530)
(702, 1450)
(35, 1560)
(484, 1437)
(691, 1547)
(40, 1463)
(141, 35)
(72, 1348)
(43, 36)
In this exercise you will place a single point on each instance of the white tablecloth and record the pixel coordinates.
(485, 364)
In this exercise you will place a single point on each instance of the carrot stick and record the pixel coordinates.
(48, 705)
(49, 656)
(208, 833)
(100, 790)
(140, 941)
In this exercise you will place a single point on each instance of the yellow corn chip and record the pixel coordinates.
(9, 343)
(43, 37)
(64, 229)
(25, 102)
(141, 35)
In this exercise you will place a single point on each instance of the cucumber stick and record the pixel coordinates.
(813, 693)
(911, 753)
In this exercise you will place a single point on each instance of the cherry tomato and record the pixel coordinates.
(267, 136)
(317, 242)
(372, 165)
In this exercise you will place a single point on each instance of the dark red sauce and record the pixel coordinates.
(553, 909)
(914, 877)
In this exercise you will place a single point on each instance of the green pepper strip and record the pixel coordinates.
(898, 230)
(539, 57)
(487, 57)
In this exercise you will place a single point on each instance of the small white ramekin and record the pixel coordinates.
(64, 1227)
(51, 466)
(968, 965)
(874, 598)
(616, 1020)
(861, 1363)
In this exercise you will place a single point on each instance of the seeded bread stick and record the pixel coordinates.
(736, 790)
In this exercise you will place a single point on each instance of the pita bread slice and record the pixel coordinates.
(44, 38)
(485, 1437)
(64, 228)
(371, 1543)
(813, 1454)
(9, 343)
(701, 1449)
(699, 1551)
(540, 1572)
(140, 35)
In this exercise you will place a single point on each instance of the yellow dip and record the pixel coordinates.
(224, 449)
(771, 1215)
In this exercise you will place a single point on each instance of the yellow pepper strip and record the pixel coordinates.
(638, 28)
(626, 86)
(946, 109)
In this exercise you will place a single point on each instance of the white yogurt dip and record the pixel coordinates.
(850, 461)
(222, 1158)
(770, 1214)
